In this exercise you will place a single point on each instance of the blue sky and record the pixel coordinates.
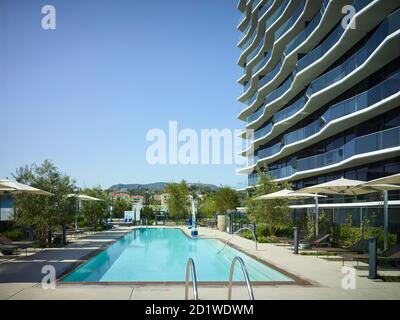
(85, 95)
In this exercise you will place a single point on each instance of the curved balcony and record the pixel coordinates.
(388, 26)
(302, 36)
(292, 26)
(252, 28)
(279, 117)
(263, 131)
(365, 147)
(290, 110)
(300, 78)
(384, 96)
(244, 21)
(269, 22)
(289, 24)
(276, 11)
(242, 5)
(320, 28)
(343, 108)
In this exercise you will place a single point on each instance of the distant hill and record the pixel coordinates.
(156, 186)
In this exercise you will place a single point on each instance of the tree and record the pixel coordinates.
(226, 199)
(274, 213)
(120, 206)
(178, 202)
(95, 211)
(208, 206)
(43, 213)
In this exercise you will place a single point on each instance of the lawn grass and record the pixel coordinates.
(325, 254)
(390, 278)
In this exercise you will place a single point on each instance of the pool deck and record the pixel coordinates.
(20, 278)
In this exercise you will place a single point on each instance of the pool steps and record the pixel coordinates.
(190, 266)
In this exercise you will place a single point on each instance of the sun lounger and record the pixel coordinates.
(391, 255)
(8, 247)
(360, 246)
(317, 241)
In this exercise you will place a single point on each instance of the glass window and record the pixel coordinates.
(392, 167)
(375, 171)
(350, 174)
(334, 176)
(392, 118)
(362, 173)
(335, 143)
(310, 182)
(350, 135)
(321, 179)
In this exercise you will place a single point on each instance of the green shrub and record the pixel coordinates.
(269, 239)
(349, 235)
(285, 232)
(247, 234)
(57, 241)
(262, 239)
(379, 234)
(262, 231)
(14, 235)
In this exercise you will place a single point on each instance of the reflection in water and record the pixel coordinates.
(160, 255)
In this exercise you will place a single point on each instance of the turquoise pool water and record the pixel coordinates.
(160, 255)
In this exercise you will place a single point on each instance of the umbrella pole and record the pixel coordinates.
(316, 216)
(361, 223)
(385, 219)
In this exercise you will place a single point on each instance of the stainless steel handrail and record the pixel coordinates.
(244, 228)
(190, 265)
(246, 277)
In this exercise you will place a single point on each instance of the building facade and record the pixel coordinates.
(321, 84)
(321, 95)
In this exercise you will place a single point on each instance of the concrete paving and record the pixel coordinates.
(20, 278)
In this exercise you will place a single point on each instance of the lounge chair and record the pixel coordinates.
(318, 241)
(360, 246)
(7, 247)
(391, 255)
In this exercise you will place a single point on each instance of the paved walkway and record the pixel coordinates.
(20, 279)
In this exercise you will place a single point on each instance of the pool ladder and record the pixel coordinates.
(241, 229)
(191, 266)
(246, 278)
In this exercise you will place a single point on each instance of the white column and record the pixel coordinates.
(316, 216)
(385, 219)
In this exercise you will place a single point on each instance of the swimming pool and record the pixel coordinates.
(160, 255)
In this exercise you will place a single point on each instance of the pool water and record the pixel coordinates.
(161, 254)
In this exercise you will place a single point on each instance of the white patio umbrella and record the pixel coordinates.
(393, 179)
(290, 194)
(338, 186)
(354, 187)
(81, 197)
(14, 187)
